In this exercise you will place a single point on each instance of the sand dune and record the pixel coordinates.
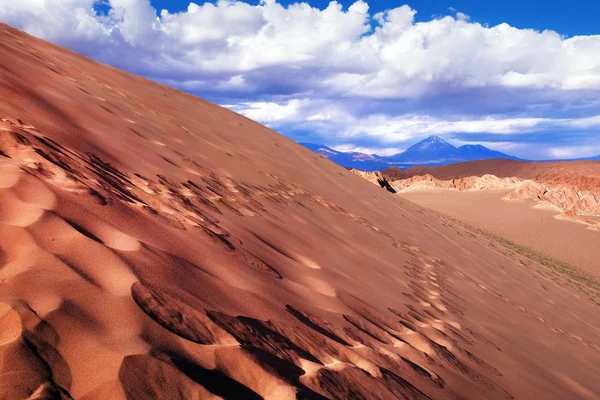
(154, 245)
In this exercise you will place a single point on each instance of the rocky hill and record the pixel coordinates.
(583, 174)
(569, 201)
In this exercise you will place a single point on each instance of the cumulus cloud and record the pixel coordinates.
(386, 54)
(340, 71)
(398, 128)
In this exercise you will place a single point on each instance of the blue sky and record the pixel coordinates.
(576, 18)
(519, 77)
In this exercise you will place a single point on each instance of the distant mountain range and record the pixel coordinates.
(362, 161)
(429, 152)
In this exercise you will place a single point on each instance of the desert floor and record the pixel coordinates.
(518, 221)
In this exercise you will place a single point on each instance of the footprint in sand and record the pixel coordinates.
(100, 231)
(10, 325)
(321, 286)
(9, 175)
(307, 262)
(16, 212)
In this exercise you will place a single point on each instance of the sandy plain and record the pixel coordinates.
(518, 221)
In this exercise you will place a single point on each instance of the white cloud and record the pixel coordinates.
(506, 147)
(307, 64)
(381, 151)
(270, 113)
(462, 17)
(570, 152)
(398, 128)
(387, 56)
(54, 20)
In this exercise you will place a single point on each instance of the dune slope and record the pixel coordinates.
(154, 245)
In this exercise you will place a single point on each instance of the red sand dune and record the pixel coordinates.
(154, 245)
(583, 174)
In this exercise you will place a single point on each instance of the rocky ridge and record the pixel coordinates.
(568, 200)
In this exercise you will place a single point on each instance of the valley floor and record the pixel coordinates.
(519, 222)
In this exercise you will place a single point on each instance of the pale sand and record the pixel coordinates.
(518, 221)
